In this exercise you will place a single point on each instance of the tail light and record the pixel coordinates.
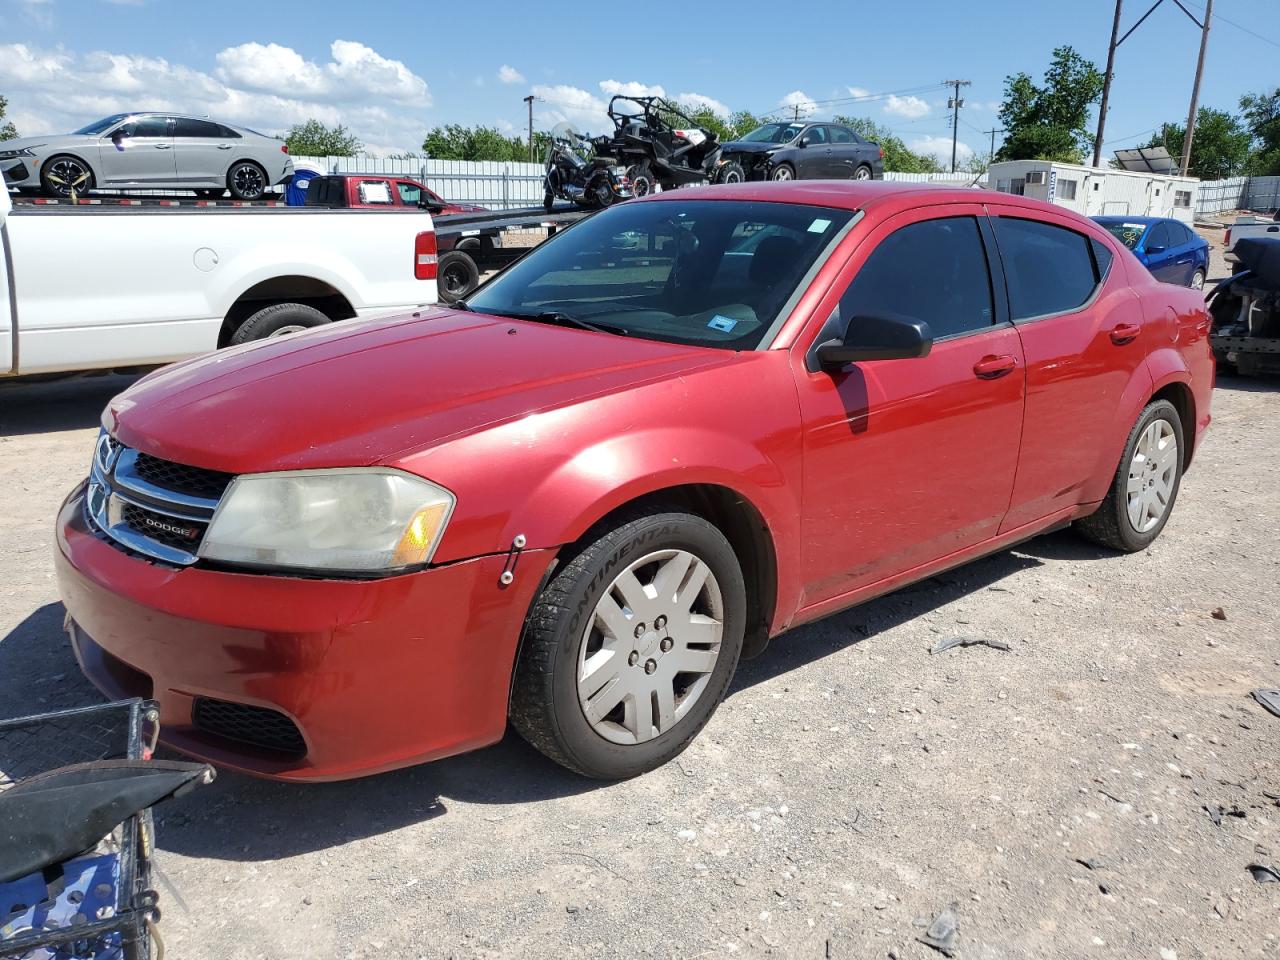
(425, 260)
(882, 153)
(681, 134)
(1226, 241)
(284, 148)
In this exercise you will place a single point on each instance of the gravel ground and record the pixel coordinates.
(850, 787)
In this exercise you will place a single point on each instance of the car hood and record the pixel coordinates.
(59, 141)
(369, 392)
(750, 146)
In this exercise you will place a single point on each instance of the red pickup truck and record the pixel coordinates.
(687, 424)
(375, 191)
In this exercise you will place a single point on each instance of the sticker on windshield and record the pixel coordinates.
(819, 226)
(725, 324)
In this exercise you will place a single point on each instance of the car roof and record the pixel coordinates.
(1113, 218)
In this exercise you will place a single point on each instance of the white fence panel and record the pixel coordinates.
(1264, 193)
(1218, 195)
(950, 179)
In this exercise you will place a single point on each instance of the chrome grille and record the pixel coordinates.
(151, 506)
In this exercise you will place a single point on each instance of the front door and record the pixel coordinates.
(138, 153)
(1162, 256)
(1081, 330)
(908, 461)
(812, 158)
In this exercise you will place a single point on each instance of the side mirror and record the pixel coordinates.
(803, 141)
(885, 337)
(1155, 249)
(429, 203)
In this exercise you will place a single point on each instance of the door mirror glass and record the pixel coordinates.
(884, 337)
(1157, 248)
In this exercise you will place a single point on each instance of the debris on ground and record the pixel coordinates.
(1263, 873)
(1218, 613)
(943, 645)
(1269, 700)
(1091, 863)
(942, 932)
(1217, 811)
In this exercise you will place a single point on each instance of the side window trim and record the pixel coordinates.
(1001, 312)
(1098, 282)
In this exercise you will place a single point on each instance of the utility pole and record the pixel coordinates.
(993, 142)
(797, 113)
(1195, 89)
(529, 101)
(1106, 86)
(955, 103)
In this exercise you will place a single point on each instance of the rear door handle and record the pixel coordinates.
(224, 146)
(1125, 333)
(163, 146)
(991, 367)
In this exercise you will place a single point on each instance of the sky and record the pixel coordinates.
(391, 70)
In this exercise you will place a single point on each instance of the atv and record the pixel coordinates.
(654, 149)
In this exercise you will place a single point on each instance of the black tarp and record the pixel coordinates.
(1261, 255)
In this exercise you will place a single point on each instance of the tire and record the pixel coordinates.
(456, 276)
(247, 181)
(210, 193)
(730, 172)
(1112, 525)
(564, 626)
(548, 201)
(783, 172)
(1197, 279)
(278, 320)
(63, 173)
(862, 173)
(642, 180)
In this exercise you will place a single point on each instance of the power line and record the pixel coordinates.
(1241, 27)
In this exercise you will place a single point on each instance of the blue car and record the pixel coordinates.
(1171, 250)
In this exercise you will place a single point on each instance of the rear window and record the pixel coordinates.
(715, 273)
(375, 192)
(1048, 269)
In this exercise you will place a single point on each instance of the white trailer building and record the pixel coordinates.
(1095, 191)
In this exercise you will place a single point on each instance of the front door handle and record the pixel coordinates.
(991, 367)
(224, 146)
(163, 146)
(1125, 333)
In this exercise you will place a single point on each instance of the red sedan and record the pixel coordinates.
(676, 430)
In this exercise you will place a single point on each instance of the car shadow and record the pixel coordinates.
(239, 818)
(49, 406)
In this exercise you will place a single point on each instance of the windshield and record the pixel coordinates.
(716, 273)
(101, 126)
(774, 133)
(1127, 233)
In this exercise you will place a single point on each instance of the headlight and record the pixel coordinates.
(14, 154)
(369, 520)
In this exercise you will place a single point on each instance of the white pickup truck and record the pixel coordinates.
(112, 287)
(1252, 226)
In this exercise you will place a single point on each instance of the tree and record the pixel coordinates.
(315, 139)
(1220, 148)
(1050, 121)
(7, 130)
(898, 157)
(456, 142)
(1262, 114)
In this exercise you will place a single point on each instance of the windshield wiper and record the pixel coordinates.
(564, 320)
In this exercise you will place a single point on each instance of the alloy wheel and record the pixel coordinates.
(862, 173)
(248, 182)
(1153, 472)
(68, 175)
(782, 173)
(651, 646)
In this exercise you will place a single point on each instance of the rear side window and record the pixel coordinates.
(375, 191)
(841, 135)
(1048, 269)
(184, 127)
(226, 133)
(935, 271)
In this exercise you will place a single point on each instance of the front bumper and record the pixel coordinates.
(374, 674)
(20, 172)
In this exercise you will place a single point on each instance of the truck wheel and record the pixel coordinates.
(642, 180)
(64, 174)
(456, 276)
(1145, 486)
(278, 320)
(630, 647)
(247, 181)
(730, 172)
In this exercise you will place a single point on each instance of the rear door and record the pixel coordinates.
(907, 461)
(845, 152)
(139, 152)
(201, 153)
(1183, 249)
(1080, 326)
(374, 192)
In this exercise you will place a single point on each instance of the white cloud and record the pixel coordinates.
(580, 107)
(52, 91)
(39, 12)
(798, 98)
(632, 88)
(859, 92)
(700, 101)
(940, 147)
(910, 107)
(508, 74)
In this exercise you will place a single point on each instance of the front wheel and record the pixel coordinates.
(247, 181)
(1145, 485)
(783, 172)
(630, 647)
(66, 176)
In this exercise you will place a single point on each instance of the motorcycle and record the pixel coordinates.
(573, 173)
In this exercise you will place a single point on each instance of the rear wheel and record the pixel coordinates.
(456, 276)
(548, 201)
(642, 180)
(278, 320)
(247, 181)
(783, 171)
(630, 647)
(1145, 485)
(65, 175)
(1197, 279)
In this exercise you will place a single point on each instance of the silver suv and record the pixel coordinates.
(132, 151)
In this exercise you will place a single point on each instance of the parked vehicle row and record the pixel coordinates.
(148, 151)
(1171, 250)
(686, 425)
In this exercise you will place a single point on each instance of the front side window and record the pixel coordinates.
(145, 127)
(715, 273)
(815, 135)
(1048, 269)
(935, 271)
(410, 193)
(1159, 238)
